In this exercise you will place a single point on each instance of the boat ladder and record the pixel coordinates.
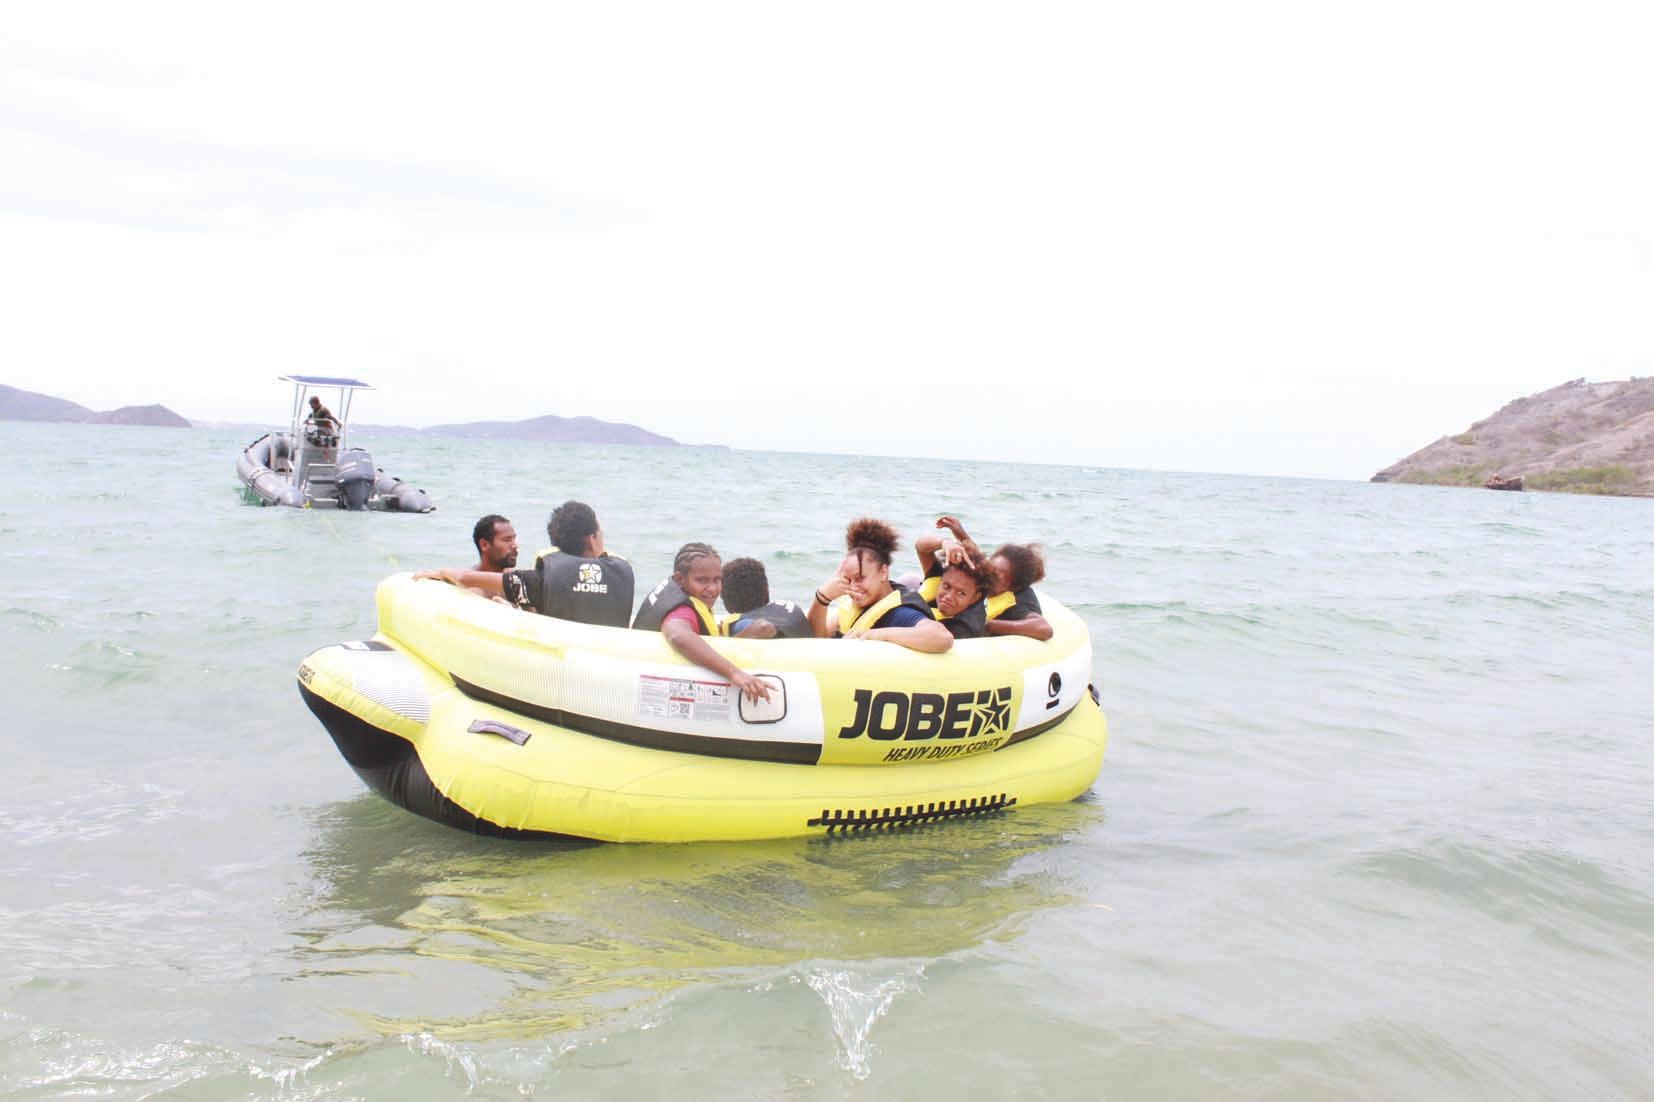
(323, 477)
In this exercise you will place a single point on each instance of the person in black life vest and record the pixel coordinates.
(751, 612)
(1016, 567)
(957, 594)
(1011, 606)
(586, 584)
(876, 608)
(496, 544)
(680, 608)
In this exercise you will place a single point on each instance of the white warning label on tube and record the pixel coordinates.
(683, 698)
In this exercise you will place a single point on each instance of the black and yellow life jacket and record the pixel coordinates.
(589, 591)
(850, 617)
(553, 549)
(970, 624)
(995, 607)
(665, 598)
(789, 620)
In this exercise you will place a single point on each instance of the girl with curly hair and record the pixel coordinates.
(875, 608)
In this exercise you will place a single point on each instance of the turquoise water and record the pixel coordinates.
(1374, 820)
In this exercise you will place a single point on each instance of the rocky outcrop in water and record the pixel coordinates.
(1580, 437)
(26, 405)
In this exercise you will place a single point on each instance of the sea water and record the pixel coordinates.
(1375, 819)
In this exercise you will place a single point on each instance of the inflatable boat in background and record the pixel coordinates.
(312, 465)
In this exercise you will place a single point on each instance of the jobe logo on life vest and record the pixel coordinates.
(920, 716)
(591, 579)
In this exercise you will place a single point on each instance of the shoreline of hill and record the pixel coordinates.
(1580, 437)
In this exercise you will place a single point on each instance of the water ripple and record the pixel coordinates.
(856, 1002)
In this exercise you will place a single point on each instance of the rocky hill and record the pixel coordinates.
(157, 416)
(557, 430)
(1580, 437)
(26, 405)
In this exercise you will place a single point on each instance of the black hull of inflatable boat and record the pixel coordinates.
(390, 766)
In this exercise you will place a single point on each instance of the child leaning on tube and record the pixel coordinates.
(680, 608)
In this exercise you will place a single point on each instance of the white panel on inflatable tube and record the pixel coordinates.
(690, 700)
(1053, 690)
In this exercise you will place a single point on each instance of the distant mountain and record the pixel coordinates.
(1580, 437)
(157, 416)
(26, 405)
(557, 430)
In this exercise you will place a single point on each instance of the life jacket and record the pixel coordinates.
(590, 591)
(996, 606)
(789, 620)
(850, 617)
(969, 624)
(930, 587)
(668, 596)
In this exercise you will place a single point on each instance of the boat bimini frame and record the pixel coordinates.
(304, 384)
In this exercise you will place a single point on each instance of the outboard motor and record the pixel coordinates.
(355, 478)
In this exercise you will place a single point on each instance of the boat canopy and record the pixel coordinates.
(327, 380)
(346, 390)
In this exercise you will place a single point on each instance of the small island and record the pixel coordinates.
(1580, 438)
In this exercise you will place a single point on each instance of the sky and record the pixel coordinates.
(1268, 238)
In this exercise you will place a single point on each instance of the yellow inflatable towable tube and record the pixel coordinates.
(508, 723)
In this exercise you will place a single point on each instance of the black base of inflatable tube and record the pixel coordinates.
(390, 766)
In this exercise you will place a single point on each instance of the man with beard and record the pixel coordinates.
(496, 544)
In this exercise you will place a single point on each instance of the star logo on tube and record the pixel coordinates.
(991, 713)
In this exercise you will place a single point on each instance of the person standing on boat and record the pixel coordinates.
(587, 585)
(680, 608)
(752, 613)
(496, 544)
(324, 427)
(876, 608)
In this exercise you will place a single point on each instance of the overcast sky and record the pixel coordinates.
(1264, 238)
